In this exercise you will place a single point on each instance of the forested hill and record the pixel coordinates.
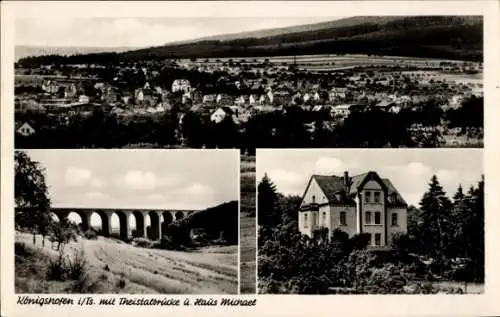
(221, 218)
(448, 37)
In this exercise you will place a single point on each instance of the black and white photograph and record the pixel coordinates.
(131, 222)
(249, 82)
(370, 222)
(216, 157)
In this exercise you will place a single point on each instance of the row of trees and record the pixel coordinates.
(445, 241)
(296, 128)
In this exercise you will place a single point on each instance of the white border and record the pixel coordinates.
(377, 305)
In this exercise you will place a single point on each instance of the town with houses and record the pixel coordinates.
(239, 90)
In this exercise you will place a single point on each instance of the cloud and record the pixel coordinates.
(76, 176)
(286, 181)
(96, 195)
(97, 183)
(417, 168)
(146, 181)
(328, 165)
(139, 180)
(155, 197)
(198, 190)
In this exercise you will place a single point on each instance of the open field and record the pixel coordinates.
(247, 256)
(247, 225)
(144, 271)
(322, 60)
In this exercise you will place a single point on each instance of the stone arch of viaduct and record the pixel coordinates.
(159, 219)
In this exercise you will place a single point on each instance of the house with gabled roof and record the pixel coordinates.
(220, 114)
(364, 203)
(25, 129)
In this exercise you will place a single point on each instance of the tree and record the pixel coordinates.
(32, 210)
(63, 232)
(468, 232)
(459, 195)
(267, 199)
(435, 206)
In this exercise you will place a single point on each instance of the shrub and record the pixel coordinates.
(57, 270)
(20, 249)
(166, 243)
(77, 267)
(359, 241)
(141, 242)
(90, 234)
(85, 285)
(121, 283)
(64, 268)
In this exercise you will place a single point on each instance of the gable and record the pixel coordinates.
(25, 129)
(371, 185)
(359, 182)
(314, 189)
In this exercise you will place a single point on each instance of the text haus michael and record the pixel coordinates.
(363, 203)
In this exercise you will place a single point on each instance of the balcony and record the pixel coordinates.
(310, 207)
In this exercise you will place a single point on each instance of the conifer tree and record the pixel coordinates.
(267, 200)
(435, 206)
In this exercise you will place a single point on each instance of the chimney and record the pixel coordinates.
(347, 181)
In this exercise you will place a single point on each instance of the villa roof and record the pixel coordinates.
(332, 185)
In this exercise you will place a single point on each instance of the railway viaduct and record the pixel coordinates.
(158, 219)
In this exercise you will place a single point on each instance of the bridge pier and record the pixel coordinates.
(106, 222)
(61, 214)
(85, 220)
(140, 223)
(124, 224)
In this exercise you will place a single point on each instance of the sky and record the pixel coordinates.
(139, 32)
(153, 179)
(409, 170)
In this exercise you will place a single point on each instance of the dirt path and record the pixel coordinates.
(209, 271)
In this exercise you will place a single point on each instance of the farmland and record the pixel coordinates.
(122, 268)
(330, 61)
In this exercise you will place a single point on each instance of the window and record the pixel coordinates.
(370, 239)
(378, 237)
(376, 197)
(305, 220)
(324, 218)
(367, 197)
(368, 217)
(314, 199)
(377, 218)
(343, 218)
(394, 218)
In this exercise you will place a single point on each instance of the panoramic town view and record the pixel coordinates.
(131, 222)
(373, 222)
(395, 81)
(247, 83)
